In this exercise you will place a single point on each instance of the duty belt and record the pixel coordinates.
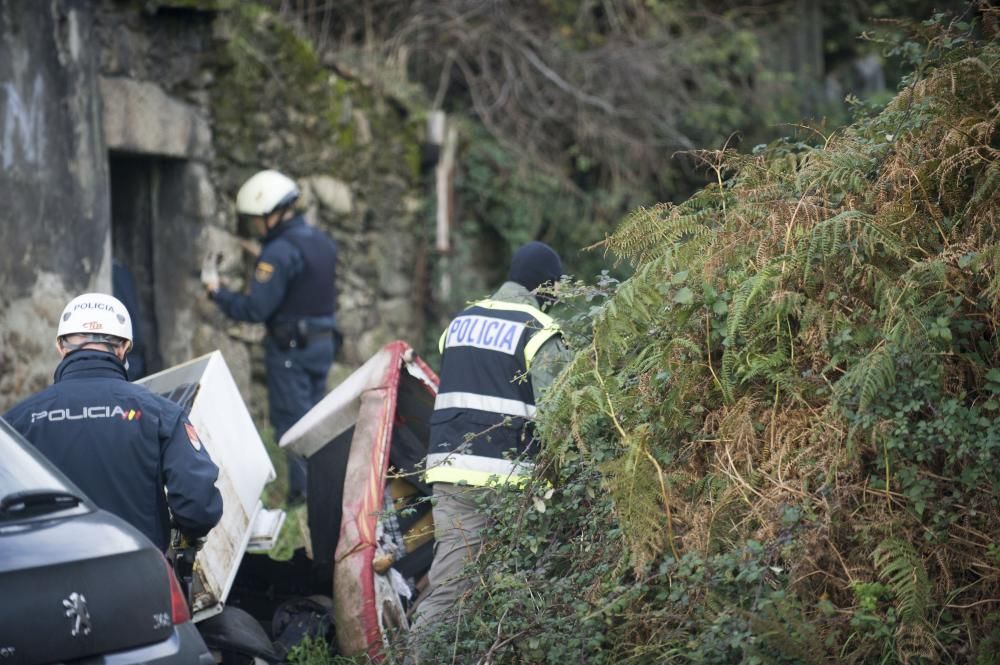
(297, 334)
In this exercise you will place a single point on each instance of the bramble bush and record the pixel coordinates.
(778, 440)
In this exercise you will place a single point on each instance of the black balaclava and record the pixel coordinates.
(534, 264)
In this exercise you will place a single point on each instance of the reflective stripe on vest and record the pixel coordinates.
(505, 407)
(475, 470)
(540, 336)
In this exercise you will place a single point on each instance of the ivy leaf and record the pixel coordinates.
(684, 296)
(720, 307)
(966, 260)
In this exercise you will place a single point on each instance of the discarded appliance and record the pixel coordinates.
(207, 392)
(365, 443)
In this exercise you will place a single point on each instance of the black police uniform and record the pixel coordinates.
(122, 444)
(481, 426)
(293, 293)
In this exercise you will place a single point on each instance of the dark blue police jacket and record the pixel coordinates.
(121, 444)
(293, 279)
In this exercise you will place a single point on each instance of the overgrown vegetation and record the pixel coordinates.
(573, 112)
(316, 651)
(778, 441)
(271, 78)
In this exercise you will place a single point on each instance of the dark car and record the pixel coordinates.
(78, 584)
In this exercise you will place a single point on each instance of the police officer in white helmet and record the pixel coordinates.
(120, 443)
(293, 293)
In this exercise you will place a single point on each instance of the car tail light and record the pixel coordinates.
(179, 611)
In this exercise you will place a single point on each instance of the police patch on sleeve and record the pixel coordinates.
(193, 436)
(264, 272)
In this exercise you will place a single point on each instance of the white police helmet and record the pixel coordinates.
(266, 192)
(97, 315)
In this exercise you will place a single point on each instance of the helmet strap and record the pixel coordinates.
(271, 230)
(112, 347)
(69, 346)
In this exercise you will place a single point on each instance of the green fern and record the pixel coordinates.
(648, 233)
(810, 298)
(754, 287)
(872, 376)
(901, 568)
(825, 240)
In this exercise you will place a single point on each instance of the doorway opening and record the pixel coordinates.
(136, 226)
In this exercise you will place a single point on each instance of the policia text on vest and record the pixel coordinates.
(481, 421)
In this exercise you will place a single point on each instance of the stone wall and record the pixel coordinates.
(185, 104)
(355, 155)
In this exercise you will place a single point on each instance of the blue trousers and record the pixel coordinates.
(296, 381)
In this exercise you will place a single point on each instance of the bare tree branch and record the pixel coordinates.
(613, 80)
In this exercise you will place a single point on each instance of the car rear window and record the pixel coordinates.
(22, 468)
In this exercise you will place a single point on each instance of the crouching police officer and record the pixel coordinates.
(120, 443)
(293, 293)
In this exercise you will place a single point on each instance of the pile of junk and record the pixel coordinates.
(369, 534)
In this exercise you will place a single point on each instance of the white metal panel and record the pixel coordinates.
(226, 429)
(225, 426)
(338, 411)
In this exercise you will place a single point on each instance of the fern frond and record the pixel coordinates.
(634, 484)
(902, 569)
(873, 375)
(647, 233)
(915, 643)
(769, 367)
(749, 291)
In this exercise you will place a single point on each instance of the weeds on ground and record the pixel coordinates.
(316, 651)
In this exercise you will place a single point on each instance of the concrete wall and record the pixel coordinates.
(78, 80)
(54, 203)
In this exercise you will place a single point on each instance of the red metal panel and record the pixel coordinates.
(355, 614)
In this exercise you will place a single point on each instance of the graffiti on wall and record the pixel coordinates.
(23, 123)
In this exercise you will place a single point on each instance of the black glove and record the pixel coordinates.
(182, 542)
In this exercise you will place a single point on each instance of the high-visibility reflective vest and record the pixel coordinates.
(481, 426)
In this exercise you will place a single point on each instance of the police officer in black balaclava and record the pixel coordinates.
(498, 356)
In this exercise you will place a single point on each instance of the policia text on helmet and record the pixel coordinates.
(95, 321)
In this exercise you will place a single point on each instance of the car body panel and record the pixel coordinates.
(43, 541)
(82, 607)
(78, 584)
(184, 645)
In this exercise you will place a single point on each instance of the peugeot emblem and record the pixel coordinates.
(76, 610)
